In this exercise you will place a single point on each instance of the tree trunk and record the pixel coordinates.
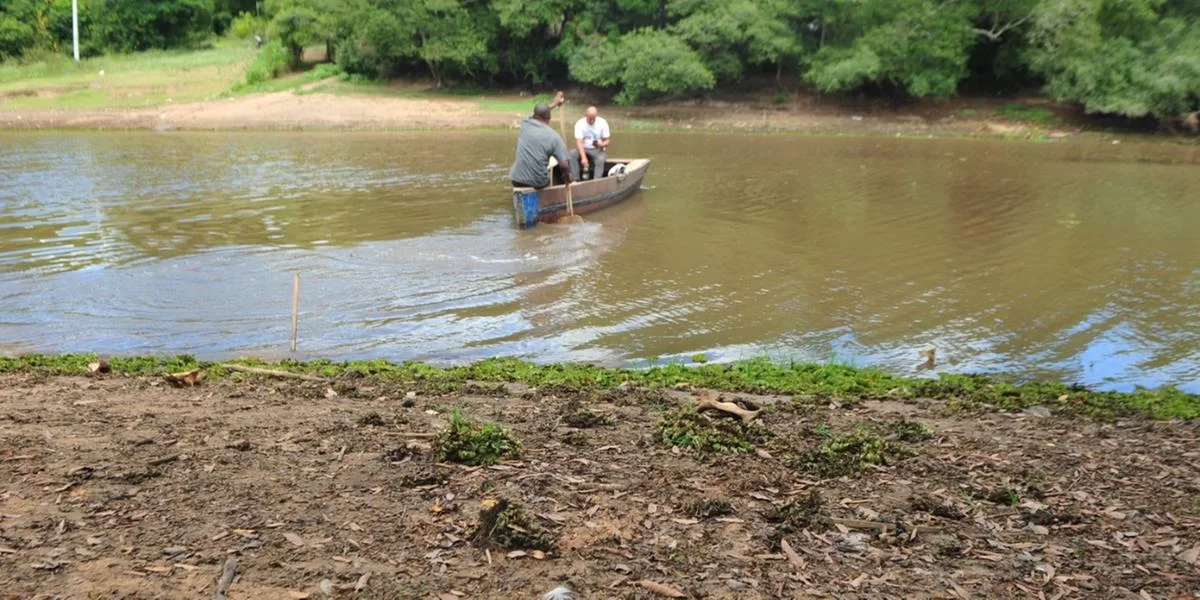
(437, 74)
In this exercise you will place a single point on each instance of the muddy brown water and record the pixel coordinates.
(1073, 260)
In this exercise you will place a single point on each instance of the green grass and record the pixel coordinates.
(808, 382)
(294, 82)
(1022, 112)
(144, 79)
(140, 79)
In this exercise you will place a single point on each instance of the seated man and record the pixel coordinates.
(536, 144)
(591, 139)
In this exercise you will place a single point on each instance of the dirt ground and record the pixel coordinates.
(113, 487)
(327, 111)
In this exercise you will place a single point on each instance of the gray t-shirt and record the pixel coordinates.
(536, 143)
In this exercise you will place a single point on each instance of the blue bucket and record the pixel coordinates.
(525, 208)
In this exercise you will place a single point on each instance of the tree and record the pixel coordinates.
(446, 36)
(527, 35)
(733, 35)
(133, 25)
(295, 28)
(641, 62)
(15, 36)
(1133, 58)
(919, 45)
(224, 11)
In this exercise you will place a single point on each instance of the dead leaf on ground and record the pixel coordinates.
(665, 591)
(1192, 556)
(296, 540)
(100, 366)
(188, 378)
(791, 555)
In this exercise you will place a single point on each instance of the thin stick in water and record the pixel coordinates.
(295, 309)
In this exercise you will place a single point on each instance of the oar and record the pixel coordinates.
(570, 217)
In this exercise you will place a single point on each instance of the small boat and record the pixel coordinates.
(549, 203)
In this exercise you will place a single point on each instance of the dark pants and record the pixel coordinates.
(596, 156)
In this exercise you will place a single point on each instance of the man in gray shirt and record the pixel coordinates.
(536, 143)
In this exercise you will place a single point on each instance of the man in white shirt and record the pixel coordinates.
(591, 139)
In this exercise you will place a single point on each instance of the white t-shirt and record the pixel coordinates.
(591, 133)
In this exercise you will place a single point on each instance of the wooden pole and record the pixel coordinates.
(295, 309)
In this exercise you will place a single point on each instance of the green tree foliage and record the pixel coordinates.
(295, 28)
(919, 45)
(640, 62)
(131, 25)
(247, 24)
(15, 36)
(734, 35)
(225, 11)
(1128, 57)
(271, 62)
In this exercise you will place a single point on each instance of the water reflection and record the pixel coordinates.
(1064, 260)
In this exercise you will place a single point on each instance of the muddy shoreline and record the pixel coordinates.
(131, 487)
(321, 111)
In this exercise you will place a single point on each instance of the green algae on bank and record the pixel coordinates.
(805, 381)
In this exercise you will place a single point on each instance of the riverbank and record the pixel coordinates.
(122, 482)
(336, 105)
(202, 91)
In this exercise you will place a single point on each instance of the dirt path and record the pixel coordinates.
(129, 488)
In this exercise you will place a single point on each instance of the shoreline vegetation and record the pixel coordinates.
(805, 383)
(209, 90)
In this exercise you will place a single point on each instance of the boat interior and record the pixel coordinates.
(556, 175)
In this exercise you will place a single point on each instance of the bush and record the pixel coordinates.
(246, 25)
(271, 62)
(354, 61)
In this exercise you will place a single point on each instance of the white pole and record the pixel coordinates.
(75, 26)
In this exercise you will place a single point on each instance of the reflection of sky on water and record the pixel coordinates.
(854, 251)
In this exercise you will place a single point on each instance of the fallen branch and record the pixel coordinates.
(227, 573)
(879, 526)
(707, 403)
(162, 461)
(274, 373)
(188, 378)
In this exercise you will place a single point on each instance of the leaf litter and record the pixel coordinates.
(481, 496)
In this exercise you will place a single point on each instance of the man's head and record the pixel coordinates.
(591, 115)
(541, 112)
